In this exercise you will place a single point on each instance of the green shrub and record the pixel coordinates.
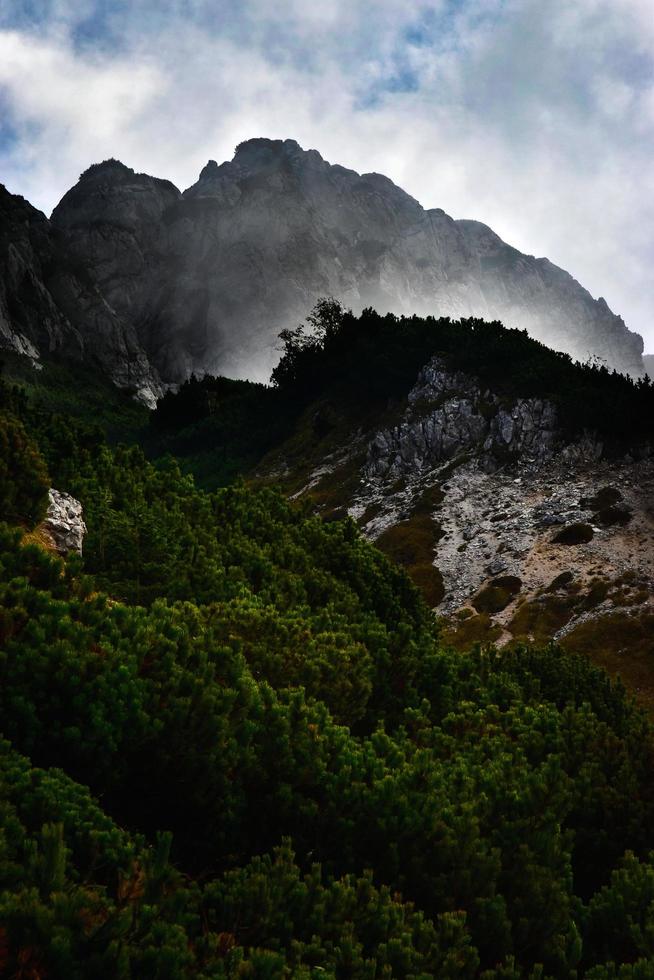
(560, 581)
(574, 534)
(611, 516)
(24, 479)
(496, 596)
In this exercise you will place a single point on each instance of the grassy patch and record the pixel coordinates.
(540, 618)
(596, 594)
(39, 536)
(372, 510)
(429, 580)
(475, 629)
(429, 500)
(497, 595)
(623, 645)
(411, 544)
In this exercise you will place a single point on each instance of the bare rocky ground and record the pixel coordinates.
(512, 534)
(505, 523)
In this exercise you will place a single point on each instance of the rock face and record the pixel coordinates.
(64, 523)
(155, 284)
(50, 306)
(114, 224)
(30, 319)
(448, 415)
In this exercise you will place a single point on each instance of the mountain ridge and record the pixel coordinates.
(154, 284)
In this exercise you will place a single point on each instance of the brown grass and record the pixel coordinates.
(540, 618)
(40, 537)
(430, 582)
(622, 644)
(411, 544)
(496, 596)
(475, 629)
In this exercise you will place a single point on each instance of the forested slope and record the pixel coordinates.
(341, 374)
(235, 746)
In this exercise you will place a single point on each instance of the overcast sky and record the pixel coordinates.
(534, 116)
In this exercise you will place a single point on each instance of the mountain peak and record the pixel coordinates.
(207, 280)
(262, 145)
(110, 167)
(210, 170)
(263, 154)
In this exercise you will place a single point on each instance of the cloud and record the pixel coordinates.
(535, 118)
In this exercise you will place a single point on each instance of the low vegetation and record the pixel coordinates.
(572, 534)
(344, 371)
(235, 745)
(497, 595)
(412, 543)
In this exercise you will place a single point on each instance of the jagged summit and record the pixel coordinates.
(265, 148)
(209, 171)
(204, 281)
(106, 168)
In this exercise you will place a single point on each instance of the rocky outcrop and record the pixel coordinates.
(151, 283)
(63, 523)
(50, 307)
(114, 225)
(31, 322)
(448, 415)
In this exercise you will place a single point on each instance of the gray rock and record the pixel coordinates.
(64, 522)
(428, 436)
(151, 284)
(49, 305)
(549, 520)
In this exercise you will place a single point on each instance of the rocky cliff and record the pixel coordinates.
(448, 414)
(158, 284)
(51, 305)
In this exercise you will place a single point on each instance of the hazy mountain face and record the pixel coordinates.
(51, 303)
(204, 281)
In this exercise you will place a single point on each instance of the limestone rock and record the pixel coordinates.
(50, 307)
(153, 285)
(463, 421)
(64, 522)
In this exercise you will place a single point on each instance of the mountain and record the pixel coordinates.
(154, 284)
(50, 306)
